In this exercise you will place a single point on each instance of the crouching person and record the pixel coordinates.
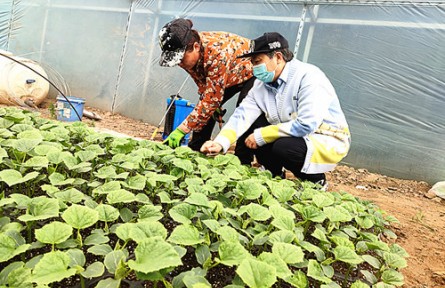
(291, 118)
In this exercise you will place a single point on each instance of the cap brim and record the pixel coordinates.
(171, 58)
(254, 53)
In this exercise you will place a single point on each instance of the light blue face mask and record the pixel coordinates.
(261, 73)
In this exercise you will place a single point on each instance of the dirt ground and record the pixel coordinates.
(421, 230)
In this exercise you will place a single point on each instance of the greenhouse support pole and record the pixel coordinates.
(310, 35)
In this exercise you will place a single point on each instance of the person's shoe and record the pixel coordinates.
(322, 185)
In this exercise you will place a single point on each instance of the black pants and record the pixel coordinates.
(199, 137)
(285, 152)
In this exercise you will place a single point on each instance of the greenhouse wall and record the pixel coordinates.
(386, 60)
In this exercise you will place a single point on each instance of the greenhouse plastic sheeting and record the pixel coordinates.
(386, 60)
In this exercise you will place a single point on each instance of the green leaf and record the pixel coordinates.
(284, 236)
(77, 259)
(184, 164)
(312, 213)
(198, 199)
(120, 196)
(107, 213)
(298, 280)
(323, 199)
(150, 213)
(202, 254)
(80, 217)
(337, 214)
(112, 260)
(232, 253)
(106, 172)
(359, 284)
(71, 195)
(276, 261)
(13, 177)
(53, 267)
(392, 277)
(374, 262)
(108, 283)
(95, 270)
(315, 271)
(137, 182)
(154, 254)
(54, 233)
(10, 248)
(256, 274)
(228, 233)
(283, 218)
(41, 208)
(183, 213)
(58, 179)
(255, 211)
(185, 235)
(250, 189)
(196, 282)
(143, 230)
(347, 255)
(394, 261)
(37, 162)
(291, 254)
(20, 278)
(96, 239)
(100, 250)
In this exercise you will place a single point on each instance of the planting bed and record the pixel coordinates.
(235, 240)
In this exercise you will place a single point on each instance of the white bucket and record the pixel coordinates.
(19, 82)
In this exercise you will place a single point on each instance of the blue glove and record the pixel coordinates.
(174, 139)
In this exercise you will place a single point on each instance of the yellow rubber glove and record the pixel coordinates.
(174, 139)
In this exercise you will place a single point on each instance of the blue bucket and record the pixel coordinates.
(182, 109)
(65, 111)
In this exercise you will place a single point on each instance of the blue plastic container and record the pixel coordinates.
(64, 110)
(182, 109)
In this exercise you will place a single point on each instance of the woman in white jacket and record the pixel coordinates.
(291, 118)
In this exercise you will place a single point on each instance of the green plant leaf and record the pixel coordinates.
(196, 282)
(37, 162)
(106, 172)
(113, 259)
(198, 199)
(58, 179)
(185, 235)
(337, 214)
(71, 195)
(232, 253)
(120, 196)
(291, 254)
(255, 211)
(312, 213)
(107, 213)
(359, 284)
(95, 270)
(250, 189)
(315, 271)
(150, 213)
(76, 258)
(256, 274)
(154, 254)
(41, 208)
(394, 260)
(202, 254)
(228, 233)
(96, 239)
(108, 283)
(53, 267)
(10, 248)
(374, 262)
(347, 255)
(54, 233)
(137, 182)
(276, 261)
(392, 277)
(143, 230)
(13, 177)
(284, 236)
(183, 213)
(80, 217)
(283, 218)
(298, 280)
(100, 250)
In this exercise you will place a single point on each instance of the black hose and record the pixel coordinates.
(61, 93)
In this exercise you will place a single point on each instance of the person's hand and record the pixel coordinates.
(211, 148)
(250, 142)
(174, 139)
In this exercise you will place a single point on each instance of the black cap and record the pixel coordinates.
(269, 42)
(173, 39)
